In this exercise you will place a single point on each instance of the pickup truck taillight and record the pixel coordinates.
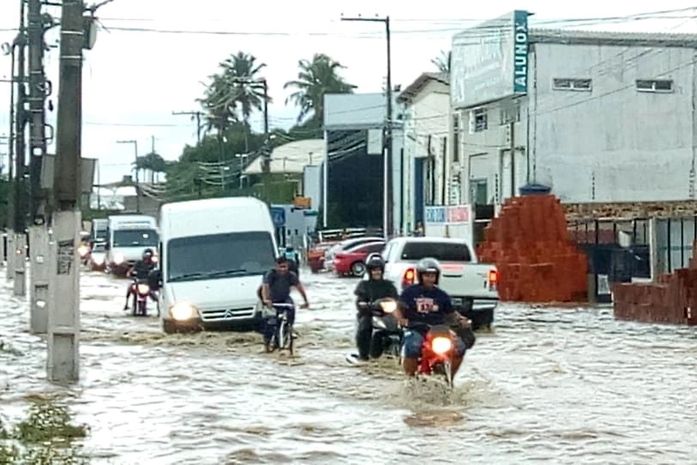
(493, 279)
(409, 277)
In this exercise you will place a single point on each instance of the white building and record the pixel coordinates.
(427, 158)
(598, 116)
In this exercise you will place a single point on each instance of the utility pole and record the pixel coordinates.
(266, 166)
(19, 220)
(38, 231)
(135, 145)
(387, 148)
(63, 364)
(194, 114)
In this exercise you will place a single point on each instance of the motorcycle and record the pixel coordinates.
(141, 294)
(387, 336)
(437, 351)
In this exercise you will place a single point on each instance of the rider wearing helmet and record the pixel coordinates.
(368, 291)
(140, 271)
(425, 303)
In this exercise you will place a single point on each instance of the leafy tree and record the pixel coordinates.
(315, 79)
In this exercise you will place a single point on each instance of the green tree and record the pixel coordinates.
(442, 61)
(151, 163)
(315, 79)
(241, 73)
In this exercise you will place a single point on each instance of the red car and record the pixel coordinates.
(352, 261)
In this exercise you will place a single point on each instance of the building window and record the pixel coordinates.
(478, 120)
(654, 85)
(479, 194)
(572, 84)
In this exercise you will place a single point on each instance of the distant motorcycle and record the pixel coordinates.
(141, 293)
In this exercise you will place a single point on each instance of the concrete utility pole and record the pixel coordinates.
(135, 145)
(19, 198)
(64, 318)
(194, 114)
(38, 232)
(387, 147)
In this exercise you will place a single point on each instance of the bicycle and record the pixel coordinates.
(282, 336)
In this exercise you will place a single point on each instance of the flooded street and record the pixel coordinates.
(558, 386)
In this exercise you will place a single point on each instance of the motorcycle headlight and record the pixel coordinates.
(183, 311)
(119, 258)
(388, 306)
(441, 345)
(83, 250)
(143, 289)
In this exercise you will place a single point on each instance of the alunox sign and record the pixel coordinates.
(520, 54)
(455, 214)
(490, 61)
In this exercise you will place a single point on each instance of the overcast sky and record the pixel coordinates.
(134, 80)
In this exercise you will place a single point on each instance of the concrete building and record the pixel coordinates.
(598, 116)
(353, 188)
(428, 160)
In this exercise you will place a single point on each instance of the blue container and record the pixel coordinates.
(535, 189)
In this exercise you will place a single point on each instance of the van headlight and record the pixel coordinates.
(183, 311)
(119, 258)
(98, 260)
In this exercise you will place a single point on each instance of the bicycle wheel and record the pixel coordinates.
(291, 338)
(283, 334)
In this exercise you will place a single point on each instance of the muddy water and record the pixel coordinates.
(547, 386)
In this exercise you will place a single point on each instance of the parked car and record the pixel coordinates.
(315, 256)
(471, 285)
(345, 245)
(352, 260)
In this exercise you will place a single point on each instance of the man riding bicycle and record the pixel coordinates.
(275, 289)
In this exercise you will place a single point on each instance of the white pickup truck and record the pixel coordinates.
(472, 286)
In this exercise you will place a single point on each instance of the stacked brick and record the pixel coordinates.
(671, 299)
(537, 262)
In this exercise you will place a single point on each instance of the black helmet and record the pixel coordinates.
(427, 265)
(148, 253)
(374, 261)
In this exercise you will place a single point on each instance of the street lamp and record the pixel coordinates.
(135, 145)
(389, 198)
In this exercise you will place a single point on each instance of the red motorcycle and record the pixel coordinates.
(141, 293)
(437, 351)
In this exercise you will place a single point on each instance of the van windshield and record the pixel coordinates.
(135, 238)
(219, 256)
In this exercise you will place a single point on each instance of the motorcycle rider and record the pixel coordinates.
(426, 303)
(276, 288)
(375, 288)
(140, 272)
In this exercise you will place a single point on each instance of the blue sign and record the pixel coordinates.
(520, 53)
(435, 214)
(278, 216)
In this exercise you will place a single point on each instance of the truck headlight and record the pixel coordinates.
(183, 311)
(119, 258)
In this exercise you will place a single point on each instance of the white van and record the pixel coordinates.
(129, 236)
(213, 256)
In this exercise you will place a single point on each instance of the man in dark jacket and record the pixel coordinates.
(367, 292)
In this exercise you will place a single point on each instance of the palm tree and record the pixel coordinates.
(241, 75)
(442, 61)
(315, 79)
(218, 106)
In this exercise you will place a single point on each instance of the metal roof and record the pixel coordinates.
(637, 39)
(410, 93)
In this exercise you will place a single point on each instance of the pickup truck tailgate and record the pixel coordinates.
(477, 280)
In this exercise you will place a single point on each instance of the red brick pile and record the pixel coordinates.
(530, 244)
(671, 299)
